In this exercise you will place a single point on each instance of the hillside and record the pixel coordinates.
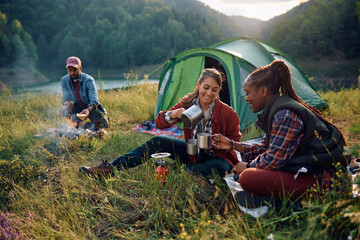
(252, 27)
(321, 36)
(224, 23)
(128, 34)
(113, 33)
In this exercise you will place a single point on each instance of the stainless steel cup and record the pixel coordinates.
(204, 140)
(191, 147)
(192, 116)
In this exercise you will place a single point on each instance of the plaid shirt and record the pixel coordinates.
(286, 133)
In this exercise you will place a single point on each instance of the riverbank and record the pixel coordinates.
(323, 72)
(15, 77)
(20, 77)
(330, 72)
(111, 73)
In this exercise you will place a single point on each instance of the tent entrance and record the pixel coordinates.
(224, 92)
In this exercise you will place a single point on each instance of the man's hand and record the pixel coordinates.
(86, 112)
(238, 168)
(66, 108)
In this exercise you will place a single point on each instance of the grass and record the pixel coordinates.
(43, 196)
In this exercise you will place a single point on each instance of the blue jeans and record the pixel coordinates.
(177, 148)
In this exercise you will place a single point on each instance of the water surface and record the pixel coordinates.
(55, 87)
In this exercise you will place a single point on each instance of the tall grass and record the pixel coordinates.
(344, 111)
(52, 200)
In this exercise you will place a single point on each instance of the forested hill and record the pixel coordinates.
(118, 34)
(316, 27)
(113, 33)
(319, 27)
(227, 25)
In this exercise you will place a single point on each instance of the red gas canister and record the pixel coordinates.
(161, 171)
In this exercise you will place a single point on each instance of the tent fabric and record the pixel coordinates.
(236, 58)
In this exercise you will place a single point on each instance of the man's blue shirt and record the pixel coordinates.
(87, 90)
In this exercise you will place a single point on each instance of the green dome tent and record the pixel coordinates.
(236, 58)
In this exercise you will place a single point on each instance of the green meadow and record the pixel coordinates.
(44, 196)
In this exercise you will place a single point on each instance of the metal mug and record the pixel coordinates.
(192, 116)
(146, 125)
(204, 140)
(191, 147)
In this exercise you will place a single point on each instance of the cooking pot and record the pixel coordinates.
(192, 116)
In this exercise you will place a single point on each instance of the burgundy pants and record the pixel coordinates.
(275, 183)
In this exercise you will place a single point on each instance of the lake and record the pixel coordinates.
(55, 87)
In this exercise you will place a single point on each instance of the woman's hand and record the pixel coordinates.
(177, 113)
(221, 142)
(238, 168)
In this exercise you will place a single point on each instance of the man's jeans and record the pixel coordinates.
(177, 149)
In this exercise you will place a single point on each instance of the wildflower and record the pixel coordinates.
(181, 225)
(271, 236)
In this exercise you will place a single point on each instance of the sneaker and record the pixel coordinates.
(354, 165)
(103, 169)
(248, 200)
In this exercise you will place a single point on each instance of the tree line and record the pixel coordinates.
(128, 33)
(108, 33)
(16, 45)
(322, 28)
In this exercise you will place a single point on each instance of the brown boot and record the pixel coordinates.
(104, 168)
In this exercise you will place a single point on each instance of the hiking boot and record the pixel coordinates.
(104, 168)
(354, 165)
(248, 200)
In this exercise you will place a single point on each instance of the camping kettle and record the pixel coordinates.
(192, 116)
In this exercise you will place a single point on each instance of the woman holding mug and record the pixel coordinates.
(219, 118)
(301, 148)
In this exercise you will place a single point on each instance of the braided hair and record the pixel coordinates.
(277, 78)
(207, 72)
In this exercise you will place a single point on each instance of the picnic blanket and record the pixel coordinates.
(174, 131)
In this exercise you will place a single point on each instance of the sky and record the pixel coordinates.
(260, 9)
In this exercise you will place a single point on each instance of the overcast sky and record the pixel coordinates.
(260, 9)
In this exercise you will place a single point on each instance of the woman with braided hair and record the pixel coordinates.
(300, 147)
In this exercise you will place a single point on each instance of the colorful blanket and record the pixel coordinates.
(149, 127)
